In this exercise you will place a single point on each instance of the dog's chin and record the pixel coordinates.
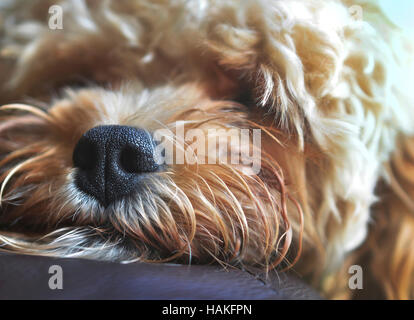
(76, 206)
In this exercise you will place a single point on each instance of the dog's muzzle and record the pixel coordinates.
(111, 161)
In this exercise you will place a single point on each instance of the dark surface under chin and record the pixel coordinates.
(27, 277)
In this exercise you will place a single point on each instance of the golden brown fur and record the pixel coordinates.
(328, 93)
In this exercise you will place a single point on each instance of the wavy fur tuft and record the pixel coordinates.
(328, 92)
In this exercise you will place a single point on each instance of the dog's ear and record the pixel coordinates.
(390, 260)
(308, 67)
(386, 257)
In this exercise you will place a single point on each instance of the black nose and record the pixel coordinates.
(111, 160)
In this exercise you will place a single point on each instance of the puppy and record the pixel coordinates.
(113, 115)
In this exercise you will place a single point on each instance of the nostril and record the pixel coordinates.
(85, 154)
(134, 159)
(130, 159)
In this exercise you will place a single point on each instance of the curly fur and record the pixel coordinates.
(330, 93)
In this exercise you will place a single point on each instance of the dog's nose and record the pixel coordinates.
(111, 161)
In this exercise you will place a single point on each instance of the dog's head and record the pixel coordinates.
(273, 128)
